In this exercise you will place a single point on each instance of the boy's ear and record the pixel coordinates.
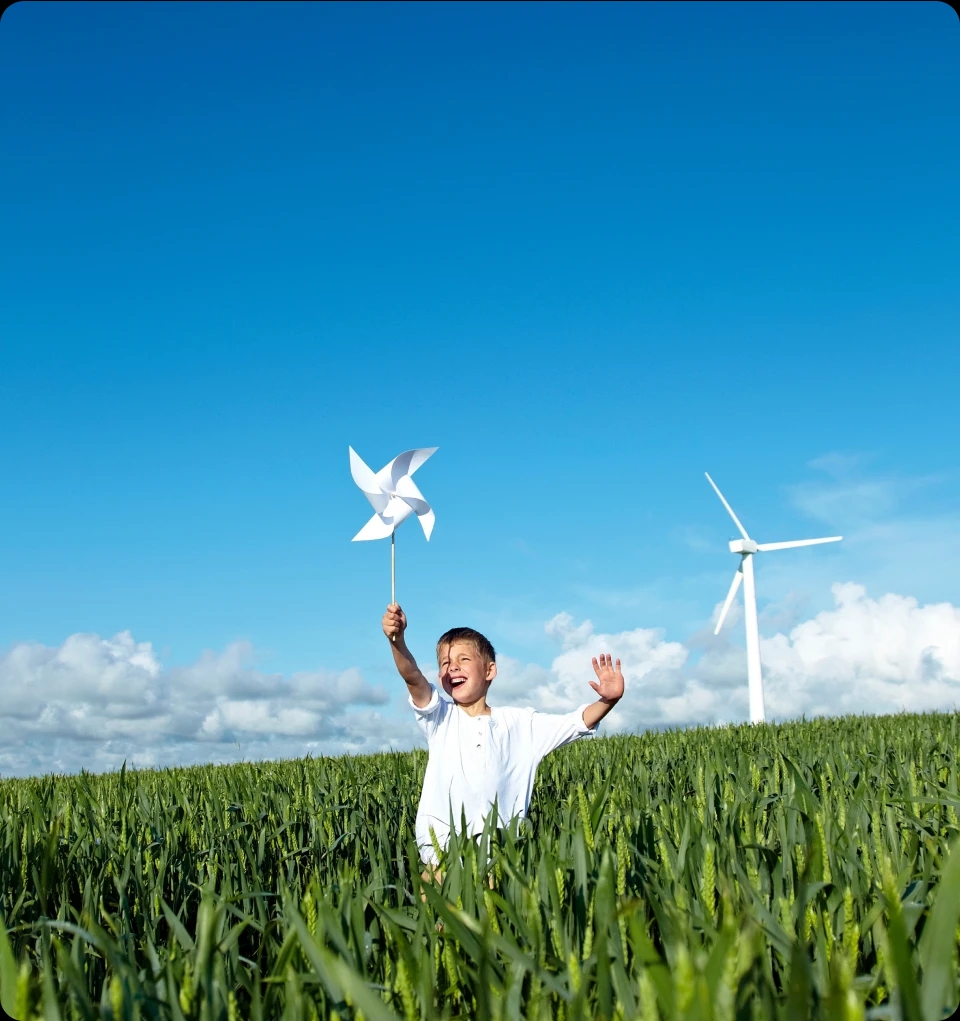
(491, 671)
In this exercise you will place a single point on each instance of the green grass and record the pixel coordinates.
(753, 872)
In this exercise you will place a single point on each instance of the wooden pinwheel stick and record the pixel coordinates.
(393, 573)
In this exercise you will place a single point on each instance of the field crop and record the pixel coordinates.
(788, 871)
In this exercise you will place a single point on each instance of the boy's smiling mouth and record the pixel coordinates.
(455, 682)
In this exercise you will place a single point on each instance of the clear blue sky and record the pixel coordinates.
(589, 251)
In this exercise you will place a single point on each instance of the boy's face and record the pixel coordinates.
(464, 674)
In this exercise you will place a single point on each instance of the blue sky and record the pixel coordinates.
(589, 251)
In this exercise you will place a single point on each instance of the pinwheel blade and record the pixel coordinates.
(734, 585)
(367, 482)
(427, 521)
(398, 510)
(375, 528)
(403, 464)
(408, 492)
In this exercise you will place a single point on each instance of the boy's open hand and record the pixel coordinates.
(394, 622)
(610, 686)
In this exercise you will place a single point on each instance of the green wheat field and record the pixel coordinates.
(793, 871)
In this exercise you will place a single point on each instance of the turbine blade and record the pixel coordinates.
(734, 585)
(796, 542)
(736, 520)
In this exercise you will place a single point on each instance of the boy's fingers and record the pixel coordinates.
(594, 685)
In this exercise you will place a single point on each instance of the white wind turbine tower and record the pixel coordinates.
(746, 547)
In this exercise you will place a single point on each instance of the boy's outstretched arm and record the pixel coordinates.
(608, 685)
(394, 625)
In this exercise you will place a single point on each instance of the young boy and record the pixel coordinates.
(479, 753)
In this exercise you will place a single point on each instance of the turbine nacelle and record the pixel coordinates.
(743, 546)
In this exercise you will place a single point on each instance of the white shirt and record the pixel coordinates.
(474, 760)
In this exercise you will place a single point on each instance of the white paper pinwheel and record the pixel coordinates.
(392, 493)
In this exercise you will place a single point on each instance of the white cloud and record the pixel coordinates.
(660, 693)
(93, 702)
(866, 656)
(863, 656)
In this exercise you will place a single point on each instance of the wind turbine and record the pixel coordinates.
(746, 547)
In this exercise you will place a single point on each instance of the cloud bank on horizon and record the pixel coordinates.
(92, 703)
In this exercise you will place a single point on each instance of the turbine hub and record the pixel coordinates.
(743, 546)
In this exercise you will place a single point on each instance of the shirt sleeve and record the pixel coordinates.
(430, 716)
(553, 730)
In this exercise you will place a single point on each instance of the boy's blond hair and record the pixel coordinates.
(481, 644)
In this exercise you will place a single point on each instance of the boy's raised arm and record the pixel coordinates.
(394, 626)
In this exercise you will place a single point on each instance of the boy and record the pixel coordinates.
(478, 754)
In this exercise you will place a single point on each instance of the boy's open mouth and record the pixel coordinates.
(455, 682)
